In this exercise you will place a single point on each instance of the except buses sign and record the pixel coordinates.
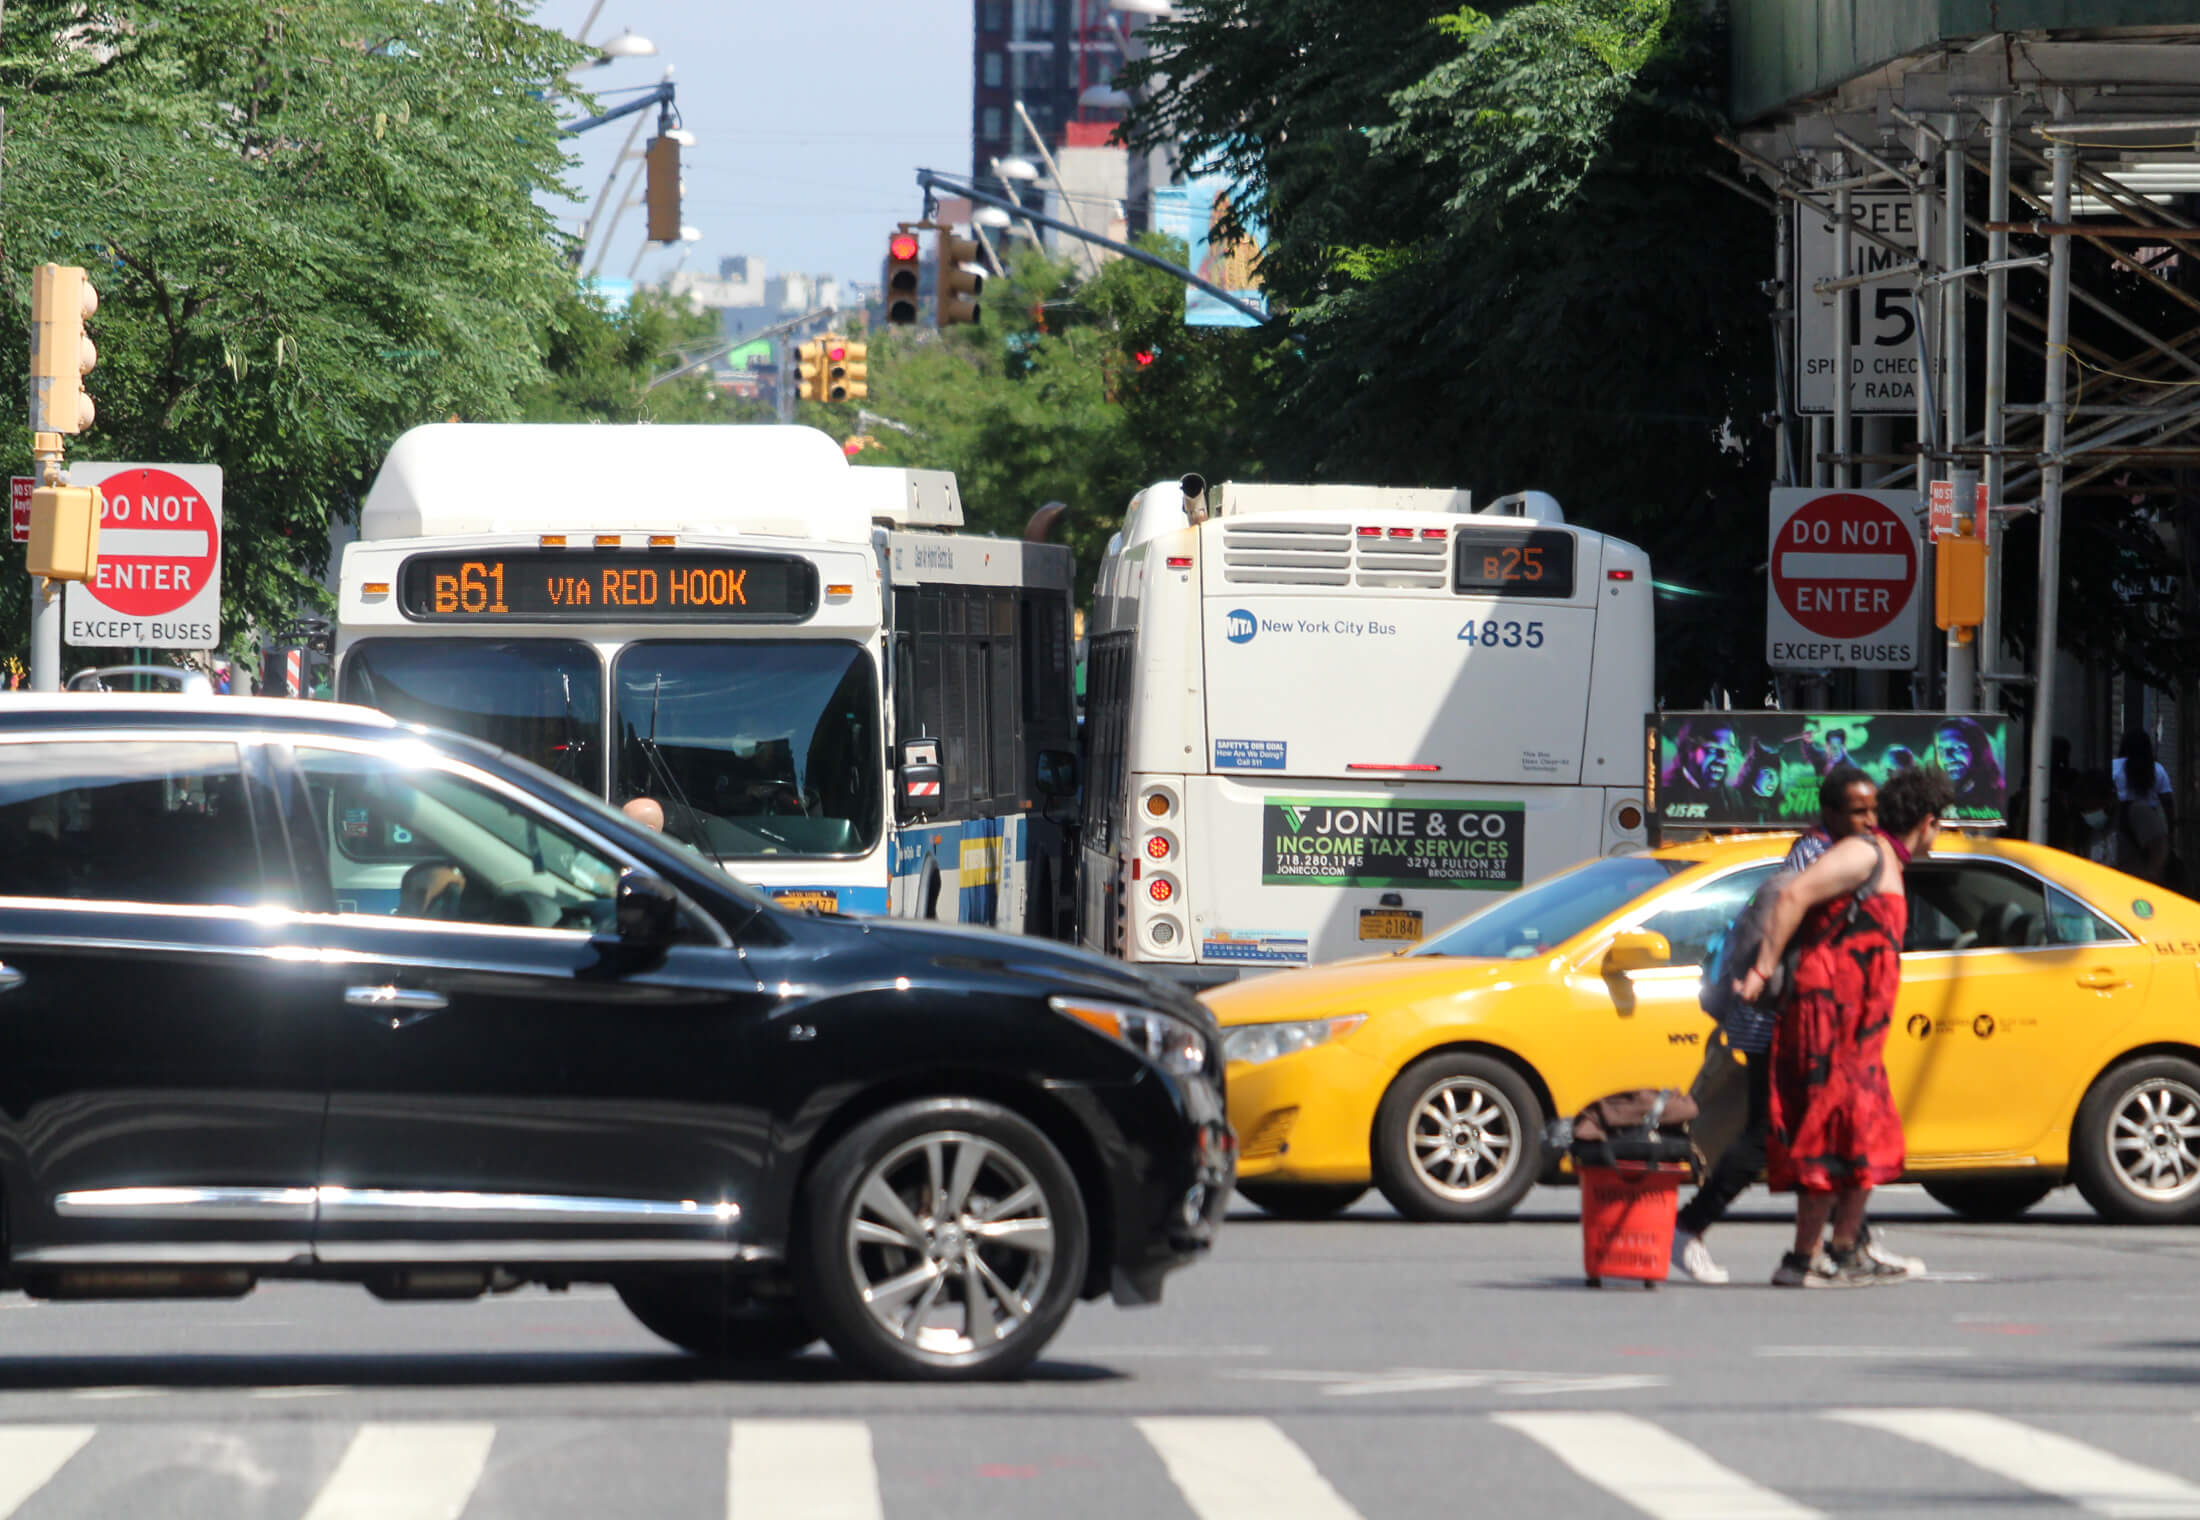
(1842, 592)
(159, 582)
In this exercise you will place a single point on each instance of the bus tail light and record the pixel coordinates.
(375, 588)
(1619, 575)
(1180, 562)
(1401, 533)
(1161, 889)
(1629, 817)
(1159, 804)
(1432, 532)
(841, 589)
(1369, 532)
(1158, 847)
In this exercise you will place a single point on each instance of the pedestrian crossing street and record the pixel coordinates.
(1555, 1462)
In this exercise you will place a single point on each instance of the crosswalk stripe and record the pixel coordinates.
(1243, 1469)
(1652, 1469)
(818, 1469)
(2040, 1460)
(422, 1471)
(32, 1454)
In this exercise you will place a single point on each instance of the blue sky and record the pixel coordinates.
(810, 116)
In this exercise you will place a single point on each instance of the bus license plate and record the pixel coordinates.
(1390, 923)
(829, 902)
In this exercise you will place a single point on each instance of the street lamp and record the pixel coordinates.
(1103, 97)
(992, 216)
(1143, 7)
(625, 45)
(1017, 169)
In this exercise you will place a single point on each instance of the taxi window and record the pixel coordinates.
(1974, 905)
(1695, 923)
(2071, 922)
(1542, 917)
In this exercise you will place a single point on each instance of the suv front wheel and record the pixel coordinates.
(944, 1240)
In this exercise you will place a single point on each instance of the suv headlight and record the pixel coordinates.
(1255, 1043)
(1177, 1046)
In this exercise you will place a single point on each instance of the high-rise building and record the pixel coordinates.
(1059, 59)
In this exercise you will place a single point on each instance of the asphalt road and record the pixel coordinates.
(1362, 1367)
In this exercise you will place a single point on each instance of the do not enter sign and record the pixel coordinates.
(1842, 588)
(158, 585)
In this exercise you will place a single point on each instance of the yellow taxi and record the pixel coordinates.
(2048, 1031)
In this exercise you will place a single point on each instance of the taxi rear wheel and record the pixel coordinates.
(1302, 1200)
(1989, 1200)
(2135, 1153)
(1458, 1139)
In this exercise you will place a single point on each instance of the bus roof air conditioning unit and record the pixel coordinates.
(1536, 506)
(909, 498)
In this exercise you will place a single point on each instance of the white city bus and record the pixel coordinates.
(775, 646)
(1321, 719)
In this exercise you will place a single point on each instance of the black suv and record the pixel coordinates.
(291, 990)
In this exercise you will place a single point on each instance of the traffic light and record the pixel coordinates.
(61, 354)
(847, 376)
(960, 279)
(810, 372)
(661, 188)
(904, 279)
(1959, 582)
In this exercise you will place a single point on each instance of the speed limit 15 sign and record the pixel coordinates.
(1882, 316)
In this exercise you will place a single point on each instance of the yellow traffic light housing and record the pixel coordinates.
(847, 374)
(810, 372)
(661, 188)
(61, 353)
(1959, 582)
(904, 279)
(960, 279)
(64, 542)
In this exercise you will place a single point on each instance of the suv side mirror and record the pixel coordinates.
(1057, 773)
(1637, 950)
(920, 781)
(648, 911)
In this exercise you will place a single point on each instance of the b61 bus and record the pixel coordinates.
(1320, 720)
(803, 665)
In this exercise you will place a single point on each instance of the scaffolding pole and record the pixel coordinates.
(2051, 486)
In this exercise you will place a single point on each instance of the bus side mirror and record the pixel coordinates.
(1057, 773)
(919, 779)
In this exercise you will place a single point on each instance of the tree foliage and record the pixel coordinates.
(610, 366)
(311, 226)
(1502, 264)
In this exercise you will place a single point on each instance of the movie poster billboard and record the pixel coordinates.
(1197, 211)
(1353, 842)
(1761, 769)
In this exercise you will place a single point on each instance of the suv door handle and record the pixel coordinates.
(394, 1005)
(2101, 981)
(10, 978)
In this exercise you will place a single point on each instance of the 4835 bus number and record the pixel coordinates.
(1494, 634)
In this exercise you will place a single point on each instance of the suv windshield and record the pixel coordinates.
(1540, 918)
(539, 698)
(753, 747)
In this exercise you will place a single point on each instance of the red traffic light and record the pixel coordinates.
(903, 245)
(836, 351)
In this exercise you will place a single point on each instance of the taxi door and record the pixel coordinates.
(2010, 986)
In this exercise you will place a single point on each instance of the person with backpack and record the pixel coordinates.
(1835, 1132)
(1847, 803)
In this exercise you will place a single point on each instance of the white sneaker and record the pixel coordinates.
(1692, 1260)
(1874, 1246)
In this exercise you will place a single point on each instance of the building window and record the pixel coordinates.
(989, 124)
(991, 67)
(990, 15)
(1034, 18)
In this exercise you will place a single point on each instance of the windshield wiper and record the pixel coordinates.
(662, 770)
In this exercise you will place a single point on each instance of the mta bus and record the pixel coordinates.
(1322, 720)
(808, 670)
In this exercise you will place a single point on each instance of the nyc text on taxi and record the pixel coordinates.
(574, 1051)
(2048, 1030)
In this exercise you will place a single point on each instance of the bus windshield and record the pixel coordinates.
(1538, 919)
(541, 699)
(752, 747)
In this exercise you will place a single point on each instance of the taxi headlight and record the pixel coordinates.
(1173, 1044)
(1255, 1043)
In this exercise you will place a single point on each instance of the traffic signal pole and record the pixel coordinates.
(930, 181)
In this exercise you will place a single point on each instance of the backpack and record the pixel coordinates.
(1746, 936)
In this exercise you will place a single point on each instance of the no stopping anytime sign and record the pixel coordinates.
(1841, 589)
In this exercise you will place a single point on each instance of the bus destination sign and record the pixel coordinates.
(553, 586)
(1502, 560)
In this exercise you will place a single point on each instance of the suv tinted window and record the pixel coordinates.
(1974, 906)
(127, 821)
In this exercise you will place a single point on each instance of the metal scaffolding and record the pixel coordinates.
(2013, 152)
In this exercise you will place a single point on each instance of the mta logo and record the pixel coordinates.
(1240, 627)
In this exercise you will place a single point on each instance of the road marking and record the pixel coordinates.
(118, 1393)
(1243, 1469)
(406, 1472)
(1403, 1380)
(1655, 1471)
(818, 1469)
(302, 1391)
(2042, 1461)
(1873, 1353)
(30, 1455)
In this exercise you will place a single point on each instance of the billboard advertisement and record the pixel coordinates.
(1353, 842)
(1761, 769)
(1196, 212)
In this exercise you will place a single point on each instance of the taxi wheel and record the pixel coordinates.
(1458, 1139)
(1989, 1200)
(2135, 1150)
(1298, 1200)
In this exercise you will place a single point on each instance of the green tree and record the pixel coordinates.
(1503, 265)
(311, 225)
(607, 366)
